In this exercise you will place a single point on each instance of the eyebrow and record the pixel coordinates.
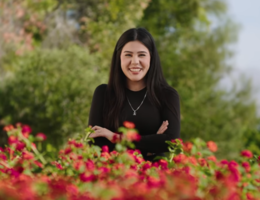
(137, 52)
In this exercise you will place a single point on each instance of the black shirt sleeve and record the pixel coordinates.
(155, 143)
(96, 115)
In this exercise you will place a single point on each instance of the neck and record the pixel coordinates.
(135, 86)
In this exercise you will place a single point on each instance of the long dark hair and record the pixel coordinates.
(155, 81)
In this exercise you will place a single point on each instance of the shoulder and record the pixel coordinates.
(101, 87)
(100, 90)
(170, 93)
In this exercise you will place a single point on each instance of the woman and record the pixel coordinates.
(136, 92)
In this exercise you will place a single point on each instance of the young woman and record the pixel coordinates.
(136, 92)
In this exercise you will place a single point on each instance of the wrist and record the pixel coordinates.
(111, 136)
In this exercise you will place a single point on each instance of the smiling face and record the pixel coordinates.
(135, 63)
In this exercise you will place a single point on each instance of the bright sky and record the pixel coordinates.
(247, 13)
(247, 49)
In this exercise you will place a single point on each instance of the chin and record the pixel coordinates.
(136, 79)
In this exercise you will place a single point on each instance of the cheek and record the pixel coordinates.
(124, 62)
(146, 62)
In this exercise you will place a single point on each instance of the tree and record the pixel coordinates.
(51, 87)
(193, 39)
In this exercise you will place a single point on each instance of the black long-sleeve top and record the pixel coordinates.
(147, 120)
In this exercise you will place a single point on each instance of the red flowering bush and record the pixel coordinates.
(81, 171)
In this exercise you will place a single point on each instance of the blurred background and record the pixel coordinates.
(53, 54)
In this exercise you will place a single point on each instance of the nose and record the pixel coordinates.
(135, 60)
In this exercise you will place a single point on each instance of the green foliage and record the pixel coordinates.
(193, 53)
(108, 21)
(51, 90)
(252, 141)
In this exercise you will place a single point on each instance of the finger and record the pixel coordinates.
(94, 135)
(162, 127)
(162, 130)
(96, 127)
(163, 124)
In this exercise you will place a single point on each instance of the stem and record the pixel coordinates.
(39, 155)
(4, 164)
(34, 149)
(87, 135)
(171, 156)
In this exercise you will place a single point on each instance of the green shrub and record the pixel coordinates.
(51, 90)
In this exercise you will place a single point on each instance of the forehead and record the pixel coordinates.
(135, 46)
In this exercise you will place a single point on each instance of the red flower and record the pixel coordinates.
(104, 170)
(87, 177)
(20, 146)
(129, 124)
(234, 176)
(212, 146)
(146, 166)
(73, 156)
(58, 165)
(90, 165)
(249, 196)
(105, 155)
(224, 162)
(187, 146)
(27, 155)
(3, 157)
(12, 140)
(41, 136)
(26, 130)
(133, 136)
(219, 175)
(138, 159)
(213, 158)
(12, 172)
(181, 158)
(154, 182)
(8, 128)
(67, 150)
(78, 144)
(175, 141)
(72, 189)
(192, 160)
(246, 166)
(78, 165)
(163, 164)
(105, 149)
(70, 142)
(202, 162)
(38, 164)
(246, 153)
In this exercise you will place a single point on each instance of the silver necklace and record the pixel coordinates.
(138, 106)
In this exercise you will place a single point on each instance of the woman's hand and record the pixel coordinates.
(163, 127)
(161, 130)
(102, 132)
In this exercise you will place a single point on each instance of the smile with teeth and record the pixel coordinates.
(135, 69)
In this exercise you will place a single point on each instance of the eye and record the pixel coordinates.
(129, 55)
(141, 55)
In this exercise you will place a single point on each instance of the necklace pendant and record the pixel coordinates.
(134, 112)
